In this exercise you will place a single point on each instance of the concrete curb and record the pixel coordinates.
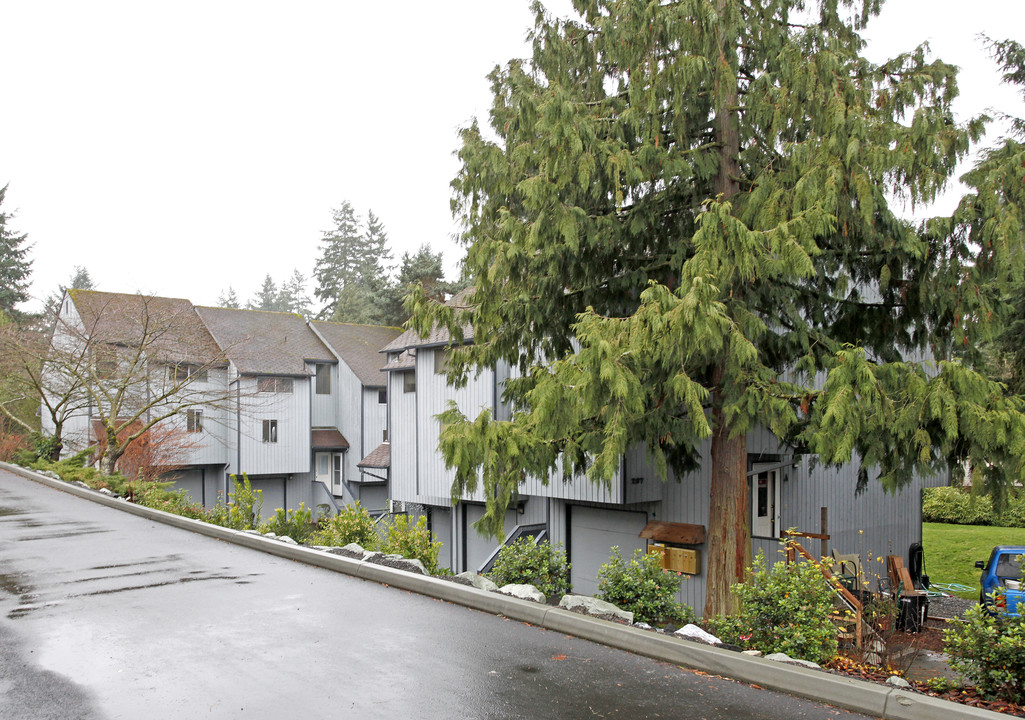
(851, 694)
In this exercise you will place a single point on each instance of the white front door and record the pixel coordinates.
(765, 503)
(323, 468)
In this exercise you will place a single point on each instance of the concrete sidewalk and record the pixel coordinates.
(857, 695)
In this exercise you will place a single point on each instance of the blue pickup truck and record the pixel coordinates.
(1003, 571)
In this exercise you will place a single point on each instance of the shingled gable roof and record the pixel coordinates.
(380, 457)
(437, 336)
(169, 328)
(259, 342)
(358, 346)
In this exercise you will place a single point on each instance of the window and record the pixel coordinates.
(409, 381)
(382, 396)
(183, 371)
(337, 470)
(106, 369)
(270, 431)
(441, 358)
(194, 420)
(274, 385)
(323, 379)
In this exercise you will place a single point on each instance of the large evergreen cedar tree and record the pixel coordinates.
(679, 230)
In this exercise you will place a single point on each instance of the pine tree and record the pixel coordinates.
(350, 272)
(80, 280)
(293, 297)
(681, 228)
(229, 299)
(339, 261)
(15, 266)
(267, 297)
(423, 267)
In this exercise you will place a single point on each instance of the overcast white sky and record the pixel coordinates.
(179, 148)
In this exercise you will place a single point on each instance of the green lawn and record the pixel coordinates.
(951, 551)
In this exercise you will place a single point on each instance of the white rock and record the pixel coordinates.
(287, 540)
(784, 658)
(524, 592)
(897, 682)
(354, 548)
(753, 653)
(270, 535)
(695, 633)
(478, 581)
(106, 491)
(594, 606)
(642, 625)
(413, 565)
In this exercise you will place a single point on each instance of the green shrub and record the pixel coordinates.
(540, 565)
(784, 608)
(955, 505)
(243, 510)
(177, 502)
(989, 651)
(296, 524)
(413, 540)
(1013, 513)
(641, 586)
(352, 525)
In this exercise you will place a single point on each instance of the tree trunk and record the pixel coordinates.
(111, 454)
(729, 537)
(58, 441)
(729, 543)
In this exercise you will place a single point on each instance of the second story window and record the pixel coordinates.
(105, 369)
(183, 371)
(274, 385)
(441, 361)
(270, 431)
(409, 381)
(323, 379)
(382, 396)
(194, 421)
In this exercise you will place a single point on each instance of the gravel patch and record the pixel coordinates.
(949, 607)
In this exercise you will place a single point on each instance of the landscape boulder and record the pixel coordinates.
(398, 562)
(478, 581)
(524, 592)
(693, 632)
(593, 606)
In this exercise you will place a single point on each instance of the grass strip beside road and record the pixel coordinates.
(951, 551)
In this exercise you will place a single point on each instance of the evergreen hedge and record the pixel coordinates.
(961, 507)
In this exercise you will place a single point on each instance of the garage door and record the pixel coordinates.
(273, 494)
(592, 533)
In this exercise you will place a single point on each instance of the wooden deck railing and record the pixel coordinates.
(795, 548)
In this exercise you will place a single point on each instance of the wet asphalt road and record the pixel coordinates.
(107, 615)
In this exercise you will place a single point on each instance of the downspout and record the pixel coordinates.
(309, 427)
(238, 431)
(362, 429)
(416, 414)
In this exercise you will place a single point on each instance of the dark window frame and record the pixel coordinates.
(323, 378)
(270, 431)
(275, 384)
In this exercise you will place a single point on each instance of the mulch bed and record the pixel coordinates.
(929, 639)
